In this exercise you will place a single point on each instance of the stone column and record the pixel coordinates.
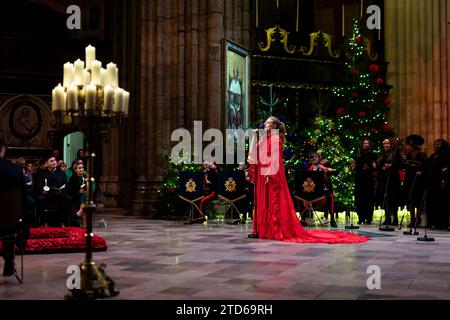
(417, 49)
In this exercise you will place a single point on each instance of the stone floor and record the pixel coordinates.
(152, 259)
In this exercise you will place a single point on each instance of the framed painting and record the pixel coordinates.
(237, 86)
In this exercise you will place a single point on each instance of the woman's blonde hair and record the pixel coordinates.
(280, 126)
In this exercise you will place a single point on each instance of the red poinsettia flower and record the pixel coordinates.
(387, 101)
(354, 95)
(355, 72)
(362, 114)
(374, 68)
(358, 39)
(340, 111)
(379, 81)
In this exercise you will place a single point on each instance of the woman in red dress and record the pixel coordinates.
(275, 213)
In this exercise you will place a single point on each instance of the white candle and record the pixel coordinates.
(108, 99)
(96, 67)
(78, 72)
(103, 77)
(72, 98)
(53, 100)
(111, 74)
(90, 56)
(118, 100)
(68, 74)
(125, 101)
(86, 77)
(58, 98)
(116, 77)
(91, 94)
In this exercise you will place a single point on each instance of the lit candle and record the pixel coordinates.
(118, 100)
(78, 72)
(108, 99)
(125, 101)
(90, 56)
(68, 74)
(96, 67)
(86, 77)
(91, 94)
(72, 98)
(58, 98)
(111, 74)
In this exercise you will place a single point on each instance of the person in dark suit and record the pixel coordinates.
(10, 177)
(51, 188)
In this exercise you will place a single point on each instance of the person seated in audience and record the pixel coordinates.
(51, 189)
(77, 190)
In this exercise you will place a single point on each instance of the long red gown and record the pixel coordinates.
(275, 213)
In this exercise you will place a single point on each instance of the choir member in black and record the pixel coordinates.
(414, 158)
(51, 189)
(389, 163)
(437, 191)
(365, 166)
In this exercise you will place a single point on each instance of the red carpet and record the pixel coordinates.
(58, 240)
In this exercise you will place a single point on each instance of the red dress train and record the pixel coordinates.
(275, 213)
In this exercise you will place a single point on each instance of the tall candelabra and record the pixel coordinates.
(90, 100)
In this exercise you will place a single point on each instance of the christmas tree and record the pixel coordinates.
(362, 112)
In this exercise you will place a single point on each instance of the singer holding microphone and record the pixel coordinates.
(274, 214)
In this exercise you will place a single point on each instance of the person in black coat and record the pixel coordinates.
(365, 166)
(77, 191)
(389, 163)
(10, 177)
(436, 175)
(413, 185)
(51, 189)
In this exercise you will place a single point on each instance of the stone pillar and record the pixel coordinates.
(417, 49)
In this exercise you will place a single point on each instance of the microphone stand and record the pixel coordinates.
(419, 212)
(386, 204)
(425, 238)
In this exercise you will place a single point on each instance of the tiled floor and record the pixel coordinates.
(152, 259)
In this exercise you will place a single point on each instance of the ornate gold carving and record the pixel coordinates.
(317, 38)
(230, 185)
(284, 39)
(269, 33)
(190, 186)
(309, 185)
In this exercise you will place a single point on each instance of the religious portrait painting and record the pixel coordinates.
(237, 87)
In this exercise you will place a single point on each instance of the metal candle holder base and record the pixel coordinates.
(94, 282)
